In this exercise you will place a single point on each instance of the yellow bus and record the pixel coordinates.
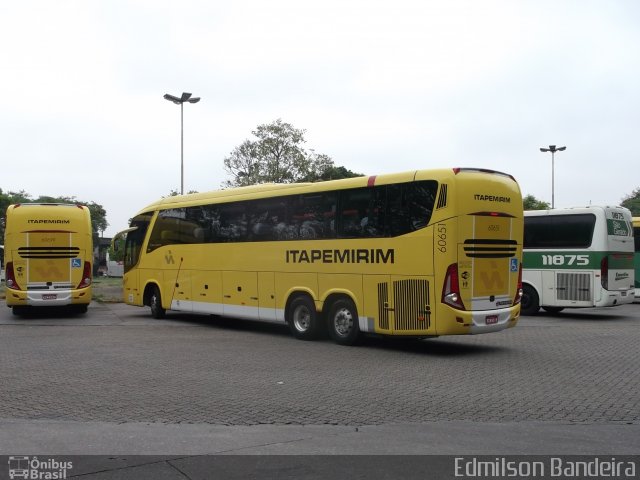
(48, 253)
(421, 253)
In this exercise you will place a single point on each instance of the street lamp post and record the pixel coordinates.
(185, 97)
(553, 149)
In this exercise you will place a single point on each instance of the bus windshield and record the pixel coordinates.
(134, 239)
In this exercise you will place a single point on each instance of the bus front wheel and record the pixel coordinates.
(530, 303)
(155, 303)
(302, 318)
(343, 323)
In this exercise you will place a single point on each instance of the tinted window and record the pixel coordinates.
(367, 212)
(410, 206)
(313, 215)
(353, 213)
(233, 222)
(267, 219)
(559, 231)
(176, 226)
(134, 239)
(636, 238)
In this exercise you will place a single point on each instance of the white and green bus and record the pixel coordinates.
(576, 258)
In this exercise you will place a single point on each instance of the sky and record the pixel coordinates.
(380, 86)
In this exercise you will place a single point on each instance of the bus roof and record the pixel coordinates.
(573, 210)
(280, 189)
(21, 211)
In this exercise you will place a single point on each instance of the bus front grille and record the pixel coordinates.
(573, 286)
(490, 248)
(49, 252)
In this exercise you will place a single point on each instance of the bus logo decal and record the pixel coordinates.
(354, 255)
(51, 272)
(76, 263)
(491, 280)
(514, 265)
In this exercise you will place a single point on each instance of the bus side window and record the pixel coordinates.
(420, 198)
(233, 223)
(399, 221)
(355, 210)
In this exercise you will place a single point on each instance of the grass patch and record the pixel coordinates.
(107, 289)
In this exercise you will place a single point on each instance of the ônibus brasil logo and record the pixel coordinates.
(37, 469)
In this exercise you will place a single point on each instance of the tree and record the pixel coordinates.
(632, 202)
(532, 203)
(331, 172)
(277, 155)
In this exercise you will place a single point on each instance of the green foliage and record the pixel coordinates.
(277, 155)
(117, 254)
(175, 193)
(532, 203)
(632, 202)
(98, 213)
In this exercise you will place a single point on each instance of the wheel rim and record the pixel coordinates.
(343, 322)
(302, 318)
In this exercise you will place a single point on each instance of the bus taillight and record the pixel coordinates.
(11, 277)
(518, 296)
(86, 276)
(451, 288)
(604, 272)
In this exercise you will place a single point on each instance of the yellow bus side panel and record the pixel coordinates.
(287, 283)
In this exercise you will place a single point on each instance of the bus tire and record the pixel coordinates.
(302, 318)
(553, 309)
(80, 309)
(342, 322)
(155, 304)
(530, 303)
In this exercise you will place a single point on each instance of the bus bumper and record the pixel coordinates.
(460, 322)
(48, 298)
(613, 298)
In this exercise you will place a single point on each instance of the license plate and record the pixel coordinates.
(49, 296)
(491, 319)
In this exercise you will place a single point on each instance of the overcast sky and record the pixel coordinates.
(379, 86)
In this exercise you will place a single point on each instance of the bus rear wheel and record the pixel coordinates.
(530, 303)
(553, 309)
(302, 318)
(155, 304)
(342, 322)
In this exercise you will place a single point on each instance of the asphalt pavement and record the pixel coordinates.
(118, 384)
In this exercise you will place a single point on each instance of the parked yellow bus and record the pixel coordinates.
(48, 253)
(422, 253)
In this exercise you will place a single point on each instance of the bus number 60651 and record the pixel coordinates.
(441, 233)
